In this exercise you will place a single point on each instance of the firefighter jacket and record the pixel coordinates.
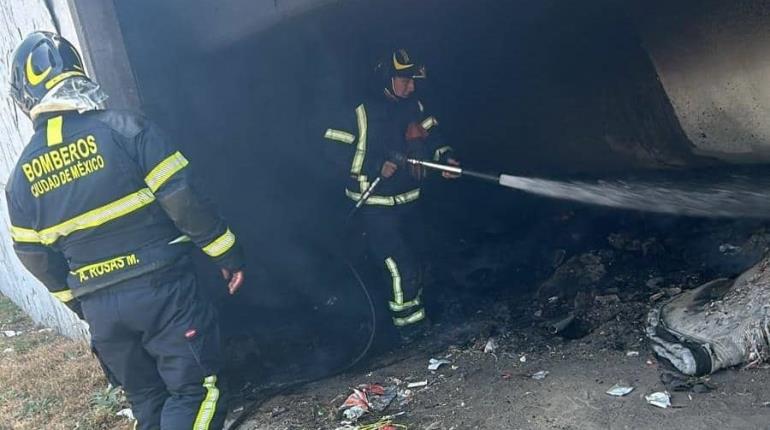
(376, 132)
(103, 197)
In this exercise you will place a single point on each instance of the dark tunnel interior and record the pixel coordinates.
(525, 87)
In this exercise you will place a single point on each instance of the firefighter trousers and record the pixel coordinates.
(160, 340)
(391, 234)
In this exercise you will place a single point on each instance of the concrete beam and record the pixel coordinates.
(106, 58)
(713, 58)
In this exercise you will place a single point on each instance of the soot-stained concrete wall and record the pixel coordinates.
(17, 19)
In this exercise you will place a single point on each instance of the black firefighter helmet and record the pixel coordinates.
(42, 60)
(400, 64)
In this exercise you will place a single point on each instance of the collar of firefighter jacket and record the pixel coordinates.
(41, 120)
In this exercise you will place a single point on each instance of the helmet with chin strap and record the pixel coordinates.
(399, 64)
(42, 61)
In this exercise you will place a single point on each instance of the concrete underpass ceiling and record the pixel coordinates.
(522, 76)
(710, 57)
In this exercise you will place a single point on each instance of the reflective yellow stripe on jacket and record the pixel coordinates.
(63, 296)
(399, 199)
(93, 218)
(339, 136)
(220, 245)
(54, 131)
(358, 158)
(161, 173)
(440, 152)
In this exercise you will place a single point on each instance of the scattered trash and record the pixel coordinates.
(434, 364)
(675, 291)
(11, 333)
(632, 354)
(523, 359)
(355, 406)
(380, 402)
(553, 299)
(126, 413)
(729, 249)
(506, 375)
(417, 384)
(404, 397)
(724, 312)
(557, 326)
(278, 410)
(491, 346)
(659, 399)
(384, 423)
(620, 390)
(8, 350)
(45, 330)
(657, 296)
(366, 398)
(675, 381)
(354, 413)
(540, 375)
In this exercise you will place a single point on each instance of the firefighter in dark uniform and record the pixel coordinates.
(382, 131)
(102, 213)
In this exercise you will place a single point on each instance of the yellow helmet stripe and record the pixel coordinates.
(400, 66)
(60, 77)
(34, 78)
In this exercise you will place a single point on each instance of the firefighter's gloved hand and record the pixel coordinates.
(448, 175)
(415, 131)
(235, 280)
(388, 169)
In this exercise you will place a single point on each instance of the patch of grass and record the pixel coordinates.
(110, 398)
(50, 382)
(10, 314)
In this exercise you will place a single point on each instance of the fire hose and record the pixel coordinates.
(360, 283)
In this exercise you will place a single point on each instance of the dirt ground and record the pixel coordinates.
(608, 281)
(496, 391)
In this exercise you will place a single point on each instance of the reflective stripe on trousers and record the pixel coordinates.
(404, 312)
